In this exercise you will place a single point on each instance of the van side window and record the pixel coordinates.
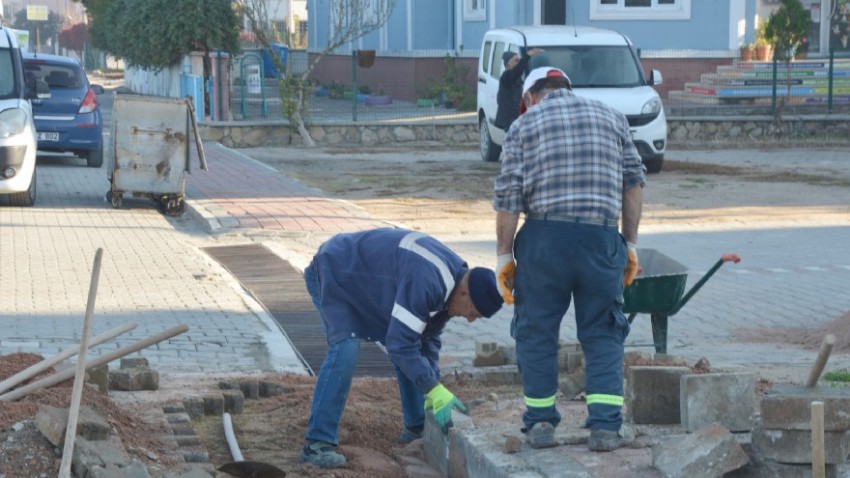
(498, 66)
(485, 56)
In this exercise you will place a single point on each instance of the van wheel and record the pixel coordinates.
(490, 151)
(25, 198)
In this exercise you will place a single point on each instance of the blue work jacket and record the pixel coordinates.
(391, 286)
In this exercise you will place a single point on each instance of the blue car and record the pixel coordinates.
(69, 120)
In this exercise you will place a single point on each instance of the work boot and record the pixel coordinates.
(322, 454)
(608, 440)
(541, 435)
(407, 435)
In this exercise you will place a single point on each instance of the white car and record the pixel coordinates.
(601, 64)
(17, 131)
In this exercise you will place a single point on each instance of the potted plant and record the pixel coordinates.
(429, 93)
(748, 51)
(786, 28)
(379, 99)
(455, 81)
(763, 48)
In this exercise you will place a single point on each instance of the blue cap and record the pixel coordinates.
(484, 292)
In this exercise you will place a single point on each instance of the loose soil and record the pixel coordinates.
(436, 191)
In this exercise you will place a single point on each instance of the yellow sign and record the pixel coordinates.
(37, 13)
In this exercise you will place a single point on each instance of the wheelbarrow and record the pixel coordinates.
(659, 290)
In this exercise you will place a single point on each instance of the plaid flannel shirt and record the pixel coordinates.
(568, 156)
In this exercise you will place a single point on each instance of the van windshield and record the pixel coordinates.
(7, 74)
(593, 66)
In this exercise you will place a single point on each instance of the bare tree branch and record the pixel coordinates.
(350, 20)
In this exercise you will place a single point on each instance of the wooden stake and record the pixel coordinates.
(80, 378)
(820, 363)
(45, 364)
(818, 457)
(60, 377)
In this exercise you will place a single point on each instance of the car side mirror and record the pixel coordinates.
(655, 78)
(98, 89)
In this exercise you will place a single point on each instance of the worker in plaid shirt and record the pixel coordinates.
(569, 165)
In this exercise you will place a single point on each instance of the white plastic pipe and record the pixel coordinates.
(231, 438)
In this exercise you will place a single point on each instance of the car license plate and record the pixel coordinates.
(48, 136)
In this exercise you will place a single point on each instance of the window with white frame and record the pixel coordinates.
(640, 9)
(475, 10)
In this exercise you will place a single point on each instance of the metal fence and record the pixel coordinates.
(436, 86)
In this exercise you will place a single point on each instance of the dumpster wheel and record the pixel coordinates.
(114, 198)
(171, 205)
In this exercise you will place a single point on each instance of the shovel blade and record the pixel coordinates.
(252, 469)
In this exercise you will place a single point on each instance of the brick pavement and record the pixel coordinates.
(243, 193)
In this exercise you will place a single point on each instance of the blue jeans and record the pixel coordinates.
(334, 382)
(557, 262)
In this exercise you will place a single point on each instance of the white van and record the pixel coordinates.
(601, 64)
(17, 130)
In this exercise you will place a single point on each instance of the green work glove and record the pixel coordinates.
(441, 401)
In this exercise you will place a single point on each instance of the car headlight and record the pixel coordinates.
(12, 122)
(652, 106)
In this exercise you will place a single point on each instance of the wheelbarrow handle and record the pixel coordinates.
(724, 258)
(730, 258)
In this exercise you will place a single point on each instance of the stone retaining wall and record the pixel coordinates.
(683, 131)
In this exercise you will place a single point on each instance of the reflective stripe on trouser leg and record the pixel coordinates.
(602, 399)
(540, 402)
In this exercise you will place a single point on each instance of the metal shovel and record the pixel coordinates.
(239, 467)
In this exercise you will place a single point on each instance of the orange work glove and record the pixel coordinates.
(632, 266)
(505, 272)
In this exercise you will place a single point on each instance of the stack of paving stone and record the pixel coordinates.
(783, 440)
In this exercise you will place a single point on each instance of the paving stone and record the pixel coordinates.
(569, 360)
(234, 401)
(795, 446)
(174, 409)
(788, 407)
(194, 407)
(134, 362)
(652, 394)
(727, 399)
(271, 389)
(487, 354)
(52, 422)
(572, 384)
(250, 389)
(134, 379)
(88, 454)
(99, 377)
(178, 418)
(213, 405)
(707, 453)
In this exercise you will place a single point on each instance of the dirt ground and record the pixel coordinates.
(435, 193)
